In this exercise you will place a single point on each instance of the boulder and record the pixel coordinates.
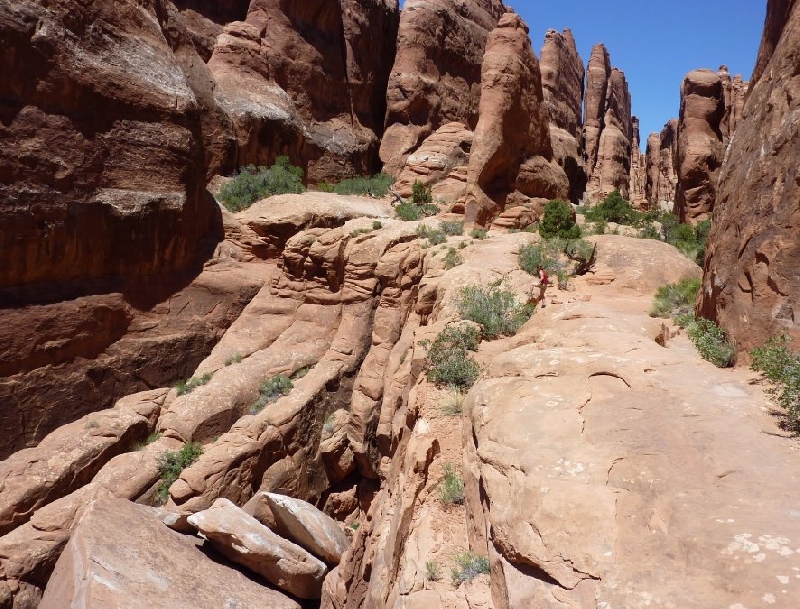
(121, 555)
(750, 285)
(309, 527)
(700, 145)
(244, 540)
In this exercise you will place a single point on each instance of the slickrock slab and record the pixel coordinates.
(64, 461)
(145, 564)
(306, 525)
(246, 541)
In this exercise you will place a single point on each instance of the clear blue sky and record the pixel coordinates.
(656, 42)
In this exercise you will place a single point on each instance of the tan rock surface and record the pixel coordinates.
(144, 562)
(700, 146)
(246, 541)
(308, 527)
(750, 285)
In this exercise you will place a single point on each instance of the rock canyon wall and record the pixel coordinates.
(750, 286)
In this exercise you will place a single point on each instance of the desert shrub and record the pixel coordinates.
(372, 186)
(451, 488)
(468, 566)
(496, 310)
(327, 425)
(452, 258)
(676, 299)
(411, 211)
(254, 183)
(359, 231)
(170, 466)
(421, 193)
(324, 187)
(712, 342)
(478, 233)
(462, 245)
(649, 231)
(233, 359)
(689, 240)
(187, 386)
(535, 254)
(558, 221)
(433, 571)
(448, 361)
(548, 253)
(614, 208)
(454, 404)
(599, 227)
(147, 441)
(377, 224)
(781, 367)
(453, 228)
(270, 390)
(434, 237)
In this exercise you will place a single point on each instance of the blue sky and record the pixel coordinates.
(656, 42)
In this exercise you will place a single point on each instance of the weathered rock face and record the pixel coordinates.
(309, 82)
(140, 562)
(436, 77)
(734, 90)
(511, 150)
(638, 169)
(700, 145)
(750, 285)
(608, 129)
(562, 85)
(662, 180)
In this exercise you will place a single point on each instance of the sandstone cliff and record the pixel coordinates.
(608, 129)
(661, 175)
(750, 283)
(638, 169)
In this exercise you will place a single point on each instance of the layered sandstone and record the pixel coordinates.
(734, 90)
(750, 285)
(308, 82)
(662, 179)
(436, 77)
(511, 150)
(608, 128)
(700, 145)
(562, 85)
(638, 169)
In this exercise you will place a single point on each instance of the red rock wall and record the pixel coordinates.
(436, 77)
(750, 283)
(638, 169)
(661, 176)
(700, 145)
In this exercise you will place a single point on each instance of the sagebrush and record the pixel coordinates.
(270, 390)
(451, 488)
(496, 310)
(448, 361)
(170, 466)
(253, 183)
(468, 566)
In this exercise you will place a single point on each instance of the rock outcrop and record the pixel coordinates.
(750, 283)
(309, 82)
(638, 181)
(734, 90)
(145, 564)
(700, 145)
(608, 130)
(662, 179)
(511, 150)
(436, 77)
(562, 85)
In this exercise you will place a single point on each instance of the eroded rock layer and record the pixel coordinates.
(661, 176)
(750, 285)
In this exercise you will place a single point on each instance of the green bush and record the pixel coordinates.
(496, 310)
(712, 342)
(454, 404)
(689, 240)
(451, 488)
(377, 224)
(270, 390)
(147, 441)
(324, 187)
(781, 367)
(184, 387)
(613, 208)
(448, 361)
(411, 211)
(233, 359)
(432, 570)
(254, 183)
(421, 193)
(558, 221)
(452, 258)
(372, 186)
(434, 237)
(478, 233)
(359, 231)
(170, 466)
(676, 299)
(454, 228)
(468, 566)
